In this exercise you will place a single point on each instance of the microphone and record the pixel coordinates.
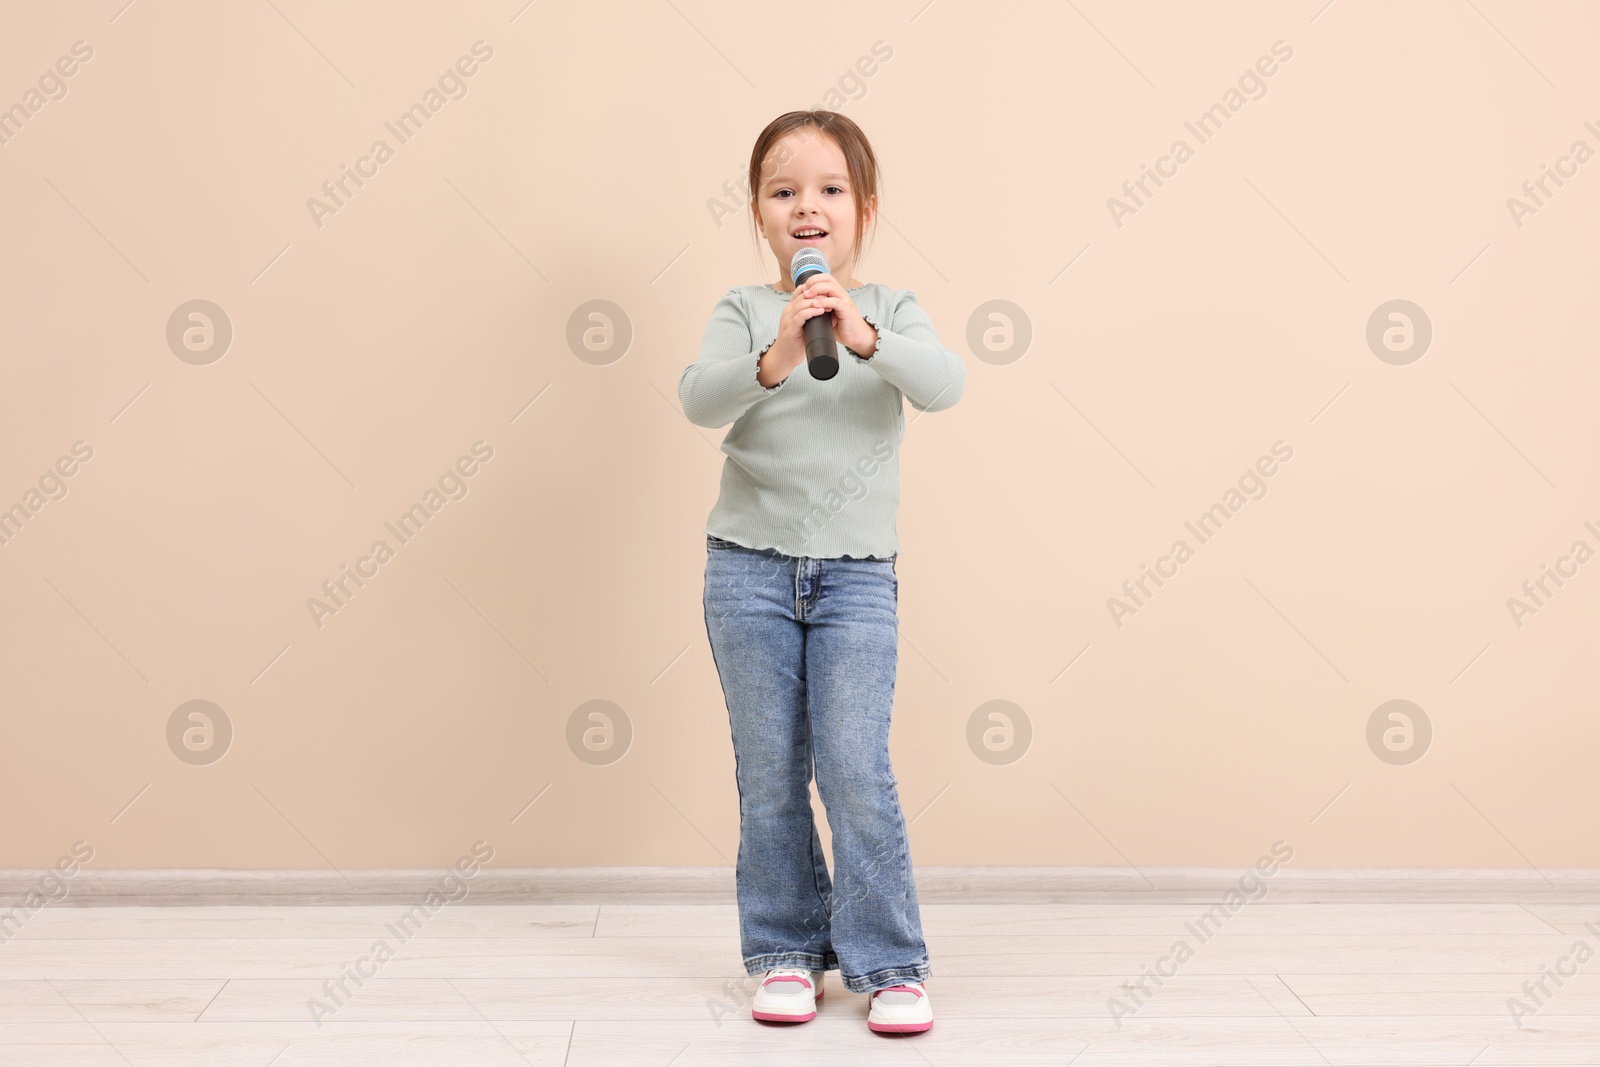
(822, 350)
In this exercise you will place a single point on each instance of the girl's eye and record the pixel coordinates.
(780, 192)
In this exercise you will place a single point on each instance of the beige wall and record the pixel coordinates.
(1171, 350)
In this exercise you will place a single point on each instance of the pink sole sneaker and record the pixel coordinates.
(900, 1009)
(788, 995)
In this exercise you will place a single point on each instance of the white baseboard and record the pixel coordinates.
(90, 887)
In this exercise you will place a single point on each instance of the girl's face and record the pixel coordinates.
(805, 187)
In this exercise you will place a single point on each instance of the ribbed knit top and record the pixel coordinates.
(813, 467)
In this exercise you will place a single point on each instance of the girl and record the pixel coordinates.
(801, 591)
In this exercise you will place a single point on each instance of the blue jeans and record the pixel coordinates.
(807, 651)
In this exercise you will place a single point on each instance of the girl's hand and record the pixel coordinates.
(849, 328)
(789, 350)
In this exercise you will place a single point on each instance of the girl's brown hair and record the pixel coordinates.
(862, 164)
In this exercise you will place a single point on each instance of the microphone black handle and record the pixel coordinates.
(822, 350)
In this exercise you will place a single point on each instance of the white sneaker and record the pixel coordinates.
(788, 995)
(900, 1009)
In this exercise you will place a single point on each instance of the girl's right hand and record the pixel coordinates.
(790, 347)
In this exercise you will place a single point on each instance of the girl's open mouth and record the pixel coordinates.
(811, 238)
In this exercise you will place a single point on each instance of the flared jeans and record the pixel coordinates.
(807, 651)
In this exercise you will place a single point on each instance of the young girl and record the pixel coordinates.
(801, 591)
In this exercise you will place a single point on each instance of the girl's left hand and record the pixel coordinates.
(849, 328)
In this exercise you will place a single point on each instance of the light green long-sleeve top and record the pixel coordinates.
(813, 467)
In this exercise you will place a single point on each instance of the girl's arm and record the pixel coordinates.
(910, 357)
(722, 385)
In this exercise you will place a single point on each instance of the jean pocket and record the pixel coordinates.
(713, 541)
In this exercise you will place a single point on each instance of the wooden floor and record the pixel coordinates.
(1283, 981)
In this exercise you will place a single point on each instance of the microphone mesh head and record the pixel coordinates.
(807, 261)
